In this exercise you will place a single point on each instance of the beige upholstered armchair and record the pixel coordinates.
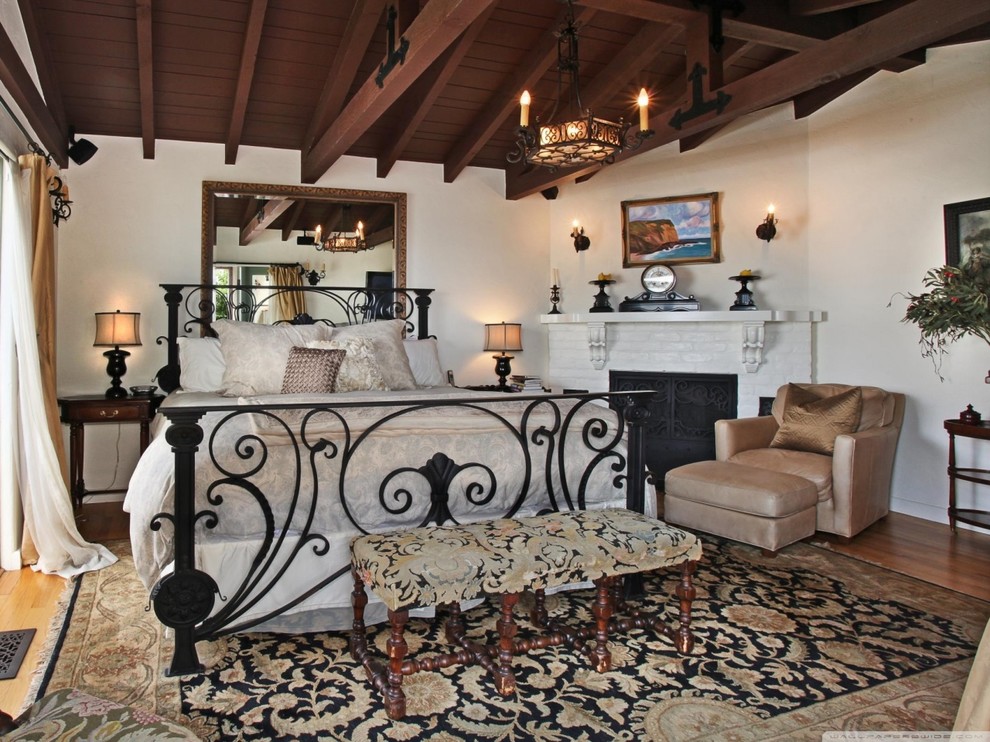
(853, 483)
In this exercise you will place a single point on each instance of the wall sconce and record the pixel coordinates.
(502, 337)
(114, 329)
(581, 241)
(312, 275)
(767, 229)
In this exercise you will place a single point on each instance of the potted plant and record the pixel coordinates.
(956, 304)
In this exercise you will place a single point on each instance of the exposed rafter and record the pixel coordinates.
(267, 212)
(146, 76)
(417, 102)
(33, 16)
(360, 27)
(436, 28)
(245, 74)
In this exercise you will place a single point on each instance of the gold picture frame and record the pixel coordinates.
(673, 230)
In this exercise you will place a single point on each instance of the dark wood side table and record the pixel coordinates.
(979, 430)
(91, 409)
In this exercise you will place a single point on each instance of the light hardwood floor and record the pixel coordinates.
(920, 548)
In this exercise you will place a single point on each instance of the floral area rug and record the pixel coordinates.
(786, 648)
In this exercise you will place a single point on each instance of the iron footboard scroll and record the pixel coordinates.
(292, 484)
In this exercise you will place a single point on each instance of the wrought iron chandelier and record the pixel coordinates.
(341, 241)
(582, 138)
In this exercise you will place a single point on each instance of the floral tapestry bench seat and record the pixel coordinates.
(445, 565)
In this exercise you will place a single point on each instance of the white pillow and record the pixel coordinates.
(424, 360)
(202, 364)
(386, 338)
(256, 355)
(360, 370)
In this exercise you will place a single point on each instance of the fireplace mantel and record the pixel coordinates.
(751, 323)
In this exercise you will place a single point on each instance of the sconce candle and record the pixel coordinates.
(644, 109)
(767, 229)
(556, 277)
(581, 242)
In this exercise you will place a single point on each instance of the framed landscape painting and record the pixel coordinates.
(967, 227)
(678, 229)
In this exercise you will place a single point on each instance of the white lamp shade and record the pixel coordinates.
(504, 336)
(117, 328)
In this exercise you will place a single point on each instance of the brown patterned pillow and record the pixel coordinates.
(811, 423)
(312, 370)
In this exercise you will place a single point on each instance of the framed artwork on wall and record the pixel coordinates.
(678, 229)
(967, 228)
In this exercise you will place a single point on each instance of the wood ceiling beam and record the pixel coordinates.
(914, 25)
(811, 101)
(292, 217)
(245, 76)
(357, 36)
(643, 48)
(504, 101)
(420, 98)
(815, 7)
(436, 27)
(268, 212)
(17, 80)
(33, 16)
(146, 77)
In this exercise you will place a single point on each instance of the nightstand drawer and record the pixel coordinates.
(104, 411)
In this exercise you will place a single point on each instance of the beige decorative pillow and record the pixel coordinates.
(811, 423)
(312, 370)
(386, 339)
(359, 370)
(255, 355)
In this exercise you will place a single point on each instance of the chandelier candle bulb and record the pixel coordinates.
(524, 101)
(644, 109)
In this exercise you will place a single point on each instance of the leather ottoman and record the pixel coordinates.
(755, 506)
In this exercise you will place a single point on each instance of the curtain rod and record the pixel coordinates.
(33, 146)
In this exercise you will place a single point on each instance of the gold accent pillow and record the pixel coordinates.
(811, 423)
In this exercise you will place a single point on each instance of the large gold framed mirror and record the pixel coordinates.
(262, 224)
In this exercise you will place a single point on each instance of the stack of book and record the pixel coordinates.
(521, 383)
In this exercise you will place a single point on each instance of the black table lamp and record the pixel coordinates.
(114, 329)
(505, 336)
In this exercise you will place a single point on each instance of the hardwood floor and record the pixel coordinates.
(920, 548)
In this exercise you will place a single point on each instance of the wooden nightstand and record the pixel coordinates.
(91, 409)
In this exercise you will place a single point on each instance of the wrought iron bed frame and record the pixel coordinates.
(185, 598)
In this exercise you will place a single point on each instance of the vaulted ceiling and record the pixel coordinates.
(323, 77)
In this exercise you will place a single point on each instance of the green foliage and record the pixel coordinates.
(955, 304)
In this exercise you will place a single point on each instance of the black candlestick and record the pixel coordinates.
(744, 297)
(601, 298)
(554, 299)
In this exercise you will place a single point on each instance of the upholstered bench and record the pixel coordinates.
(756, 506)
(444, 565)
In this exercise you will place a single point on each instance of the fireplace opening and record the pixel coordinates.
(681, 426)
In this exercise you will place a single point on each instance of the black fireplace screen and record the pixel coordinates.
(681, 428)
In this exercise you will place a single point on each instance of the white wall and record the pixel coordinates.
(883, 161)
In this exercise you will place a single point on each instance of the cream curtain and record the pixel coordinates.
(290, 303)
(25, 444)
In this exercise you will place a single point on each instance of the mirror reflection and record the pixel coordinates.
(273, 235)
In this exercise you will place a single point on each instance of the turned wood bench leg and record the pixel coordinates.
(602, 610)
(686, 593)
(395, 699)
(505, 680)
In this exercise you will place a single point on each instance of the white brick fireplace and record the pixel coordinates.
(764, 348)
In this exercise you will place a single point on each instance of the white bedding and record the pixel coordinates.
(408, 441)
